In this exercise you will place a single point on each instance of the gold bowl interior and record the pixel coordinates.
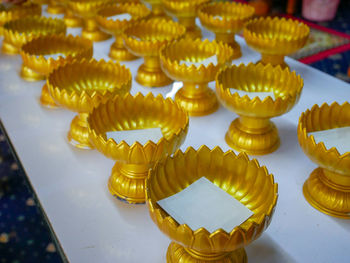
(183, 7)
(276, 35)
(138, 112)
(324, 118)
(137, 11)
(240, 177)
(146, 37)
(18, 11)
(285, 85)
(194, 51)
(33, 52)
(233, 16)
(81, 85)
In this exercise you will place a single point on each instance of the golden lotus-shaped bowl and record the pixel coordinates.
(275, 38)
(253, 132)
(145, 38)
(14, 12)
(87, 9)
(225, 19)
(116, 27)
(240, 177)
(55, 7)
(20, 31)
(81, 85)
(195, 96)
(36, 67)
(69, 18)
(186, 12)
(328, 187)
(127, 180)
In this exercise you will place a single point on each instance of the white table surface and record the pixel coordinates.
(92, 226)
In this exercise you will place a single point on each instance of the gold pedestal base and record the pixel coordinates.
(177, 253)
(46, 99)
(55, 9)
(127, 182)
(78, 134)
(95, 35)
(120, 53)
(229, 39)
(152, 77)
(274, 60)
(326, 196)
(72, 21)
(30, 75)
(253, 136)
(9, 49)
(193, 32)
(197, 100)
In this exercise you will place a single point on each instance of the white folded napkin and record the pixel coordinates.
(141, 135)
(252, 95)
(213, 59)
(203, 204)
(123, 16)
(338, 138)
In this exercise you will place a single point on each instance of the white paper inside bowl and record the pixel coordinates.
(338, 138)
(123, 16)
(213, 59)
(140, 135)
(252, 95)
(203, 204)
(54, 56)
(218, 17)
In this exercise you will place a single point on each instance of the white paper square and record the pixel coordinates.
(252, 95)
(140, 135)
(338, 138)
(218, 17)
(123, 16)
(213, 59)
(203, 204)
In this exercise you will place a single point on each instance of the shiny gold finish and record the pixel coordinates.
(225, 19)
(275, 38)
(40, 2)
(55, 8)
(18, 32)
(240, 177)
(328, 187)
(186, 12)
(13, 12)
(69, 18)
(145, 38)
(87, 9)
(157, 8)
(195, 96)
(81, 85)
(36, 67)
(128, 176)
(116, 27)
(253, 132)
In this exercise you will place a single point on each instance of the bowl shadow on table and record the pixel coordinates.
(288, 136)
(344, 223)
(265, 250)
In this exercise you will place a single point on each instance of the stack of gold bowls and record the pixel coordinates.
(145, 38)
(253, 132)
(225, 19)
(186, 13)
(127, 180)
(13, 12)
(240, 177)
(275, 38)
(87, 9)
(37, 67)
(81, 85)
(116, 26)
(20, 31)
(195, 96)
(328, 187)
